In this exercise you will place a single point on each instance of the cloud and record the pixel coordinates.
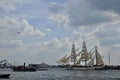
(10, 43)
(104, 5)
(97, 20)
(14, 37)
(55, 7)
(102, 24)
(108, 34)
(105, 36)
(28, 29)
(48, 30)
(48, 51)
(8, 5)
(60, 19)
(14, 27)
(20, 49)
(81, 13)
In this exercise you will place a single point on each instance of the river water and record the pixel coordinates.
(62, 74)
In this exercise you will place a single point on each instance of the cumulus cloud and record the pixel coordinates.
(22, 51)
(14, 27)
(108, 34)
(98, 22)
(61, 19)
(82, 13)
(13, 32)
(48, 51)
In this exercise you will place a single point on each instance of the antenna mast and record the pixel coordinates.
(109, 58)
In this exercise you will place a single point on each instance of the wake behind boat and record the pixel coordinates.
(83, 60)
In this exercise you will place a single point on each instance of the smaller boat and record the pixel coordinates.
(23, 69)
(4, 75)
(39, 67)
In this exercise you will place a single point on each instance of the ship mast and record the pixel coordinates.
(99, 60)
(109, 58)
(73, 54)
(96, 54)
(84, 53)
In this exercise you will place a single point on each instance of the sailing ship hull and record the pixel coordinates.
(95, 67)
(80, 68)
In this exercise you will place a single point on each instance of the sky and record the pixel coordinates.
(35, 31)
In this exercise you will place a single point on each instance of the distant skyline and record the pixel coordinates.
(35, 31)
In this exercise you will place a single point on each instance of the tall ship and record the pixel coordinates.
(82, 59)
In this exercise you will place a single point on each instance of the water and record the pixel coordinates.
(62, 74)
